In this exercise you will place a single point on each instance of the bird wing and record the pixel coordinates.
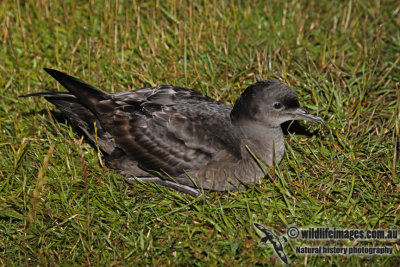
(164, 128)
(168, 128)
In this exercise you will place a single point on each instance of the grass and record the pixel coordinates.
(58, 205)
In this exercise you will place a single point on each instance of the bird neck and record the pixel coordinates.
(265, 142)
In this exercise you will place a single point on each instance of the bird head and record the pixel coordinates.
(270, 103)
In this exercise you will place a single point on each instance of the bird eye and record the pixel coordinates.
(277, 105)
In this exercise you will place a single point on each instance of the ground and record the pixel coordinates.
(60, 205)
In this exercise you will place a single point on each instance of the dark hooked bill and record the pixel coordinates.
(302, 114)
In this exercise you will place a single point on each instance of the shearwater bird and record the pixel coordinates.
(180, 138)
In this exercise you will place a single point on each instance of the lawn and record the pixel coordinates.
(60, 206)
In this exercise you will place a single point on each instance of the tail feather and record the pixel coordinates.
(86, 120)
(81, 116)
(49, 94)
(86, 94)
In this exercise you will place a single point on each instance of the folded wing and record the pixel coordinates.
(165, 128)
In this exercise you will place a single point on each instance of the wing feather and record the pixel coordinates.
(161, 131)
(164, 128)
